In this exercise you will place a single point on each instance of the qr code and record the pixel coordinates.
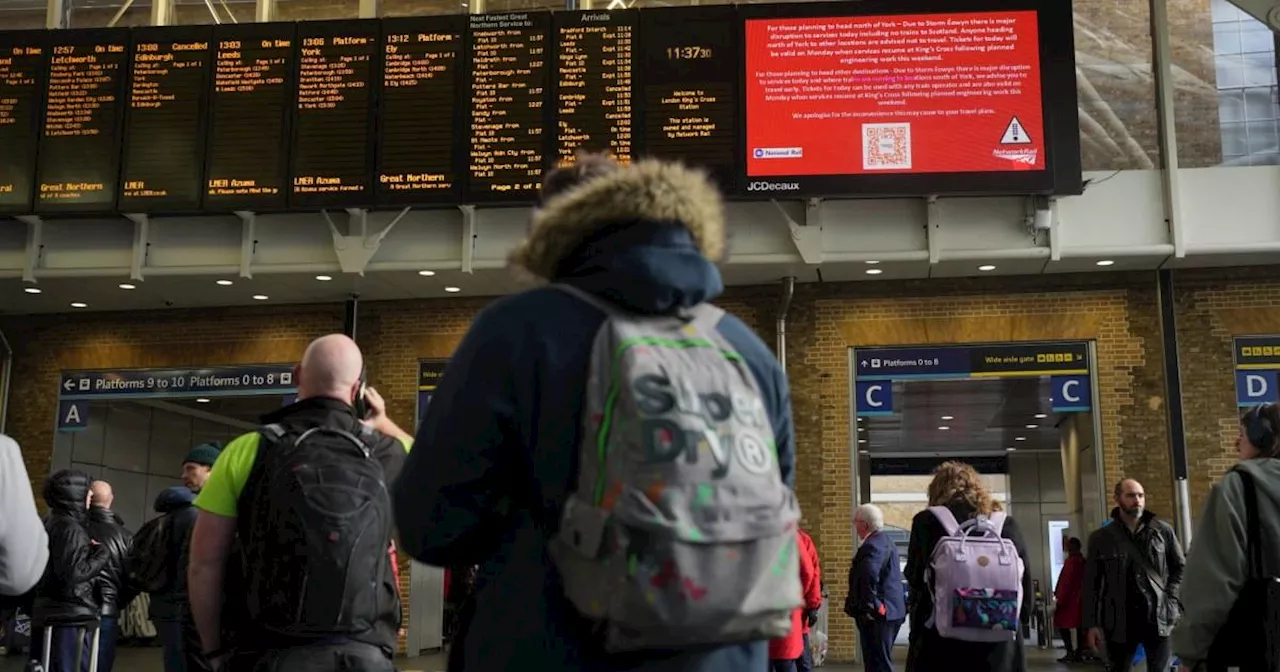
(886, 146)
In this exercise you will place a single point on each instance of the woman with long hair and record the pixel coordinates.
(959, 488)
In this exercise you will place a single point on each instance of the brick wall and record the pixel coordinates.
(1116, 311)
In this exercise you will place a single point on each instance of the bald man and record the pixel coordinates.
(306, 496)
(1132, 578)
(111, 585)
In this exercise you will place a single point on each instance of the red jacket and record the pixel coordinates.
(792, 646)
(1068, 592)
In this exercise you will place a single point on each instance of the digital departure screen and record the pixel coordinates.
(164, 137)
(690, 70)
(250, 108)
(22, 70)
(79, 159)
(832, 102)
(338, 63)
(509, 82)
(594, 70)
(418, 138)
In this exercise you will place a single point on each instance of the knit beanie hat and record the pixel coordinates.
(205, 453)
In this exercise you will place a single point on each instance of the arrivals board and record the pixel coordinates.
(338, 63)
(78, 165)
(794, 100)
(509, 80)
(690, 92)
(250, 108)
(22, 66)
(164, 130)
(418, 140)
(595, 59)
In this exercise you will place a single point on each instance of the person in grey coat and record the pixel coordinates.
(1218, 565)
(24, 544)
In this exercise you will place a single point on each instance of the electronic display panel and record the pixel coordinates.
(22, 71)
(164, 129)
(690, 67)
(840, 100)
(595, 62)
(419, 143)
(339, 63)
(78, 166)
(250, 106)
(508, 94)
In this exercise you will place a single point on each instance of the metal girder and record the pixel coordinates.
(356, 250)
(141, 244)
(1162, 65)
(248, 241)
(162, 12)
(933, 228)
(1266, 11)
(35, 246)
(370, 9)
(468, 238)
(807, 237)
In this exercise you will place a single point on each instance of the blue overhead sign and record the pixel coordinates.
(972, 361)
(875, 397)
(430, 373)
(1071, 394)
(73, 416)
(226, 381)
(1257, 367)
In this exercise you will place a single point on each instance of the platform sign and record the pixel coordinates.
(73, 416)
(1071, 394)
(430, 373)
(875, 397)
(1257, 367)
(218, 381)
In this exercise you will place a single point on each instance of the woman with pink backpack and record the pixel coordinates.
(969, 590)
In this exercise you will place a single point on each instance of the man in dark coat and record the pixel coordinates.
(875, 599)
(498, 451)
(1132, 581)
(112, 585)
(66, 599)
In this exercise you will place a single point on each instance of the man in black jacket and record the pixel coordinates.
(1132, 578)
(114, 592)
(66, 599)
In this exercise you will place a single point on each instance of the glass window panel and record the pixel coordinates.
(316, 10)
(1266, 159)
(1256, 37)
(1260, 104)
(1231, 106)
(1230, 72)
(1226, 38)
(1114, 85)
(1234, 140)
(1263, 137)
(228, 11)
(1223, 10)
(423, 7)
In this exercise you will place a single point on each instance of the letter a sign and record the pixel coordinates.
(73, 416)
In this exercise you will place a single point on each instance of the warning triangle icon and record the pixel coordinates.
(1015, 134)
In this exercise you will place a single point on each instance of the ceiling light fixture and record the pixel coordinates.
(862, 440)
(426, 274)
(1033, 426)
(948, 417)
(874, 271)
(452, 290)
(125, 285)
(79, 304)
(1041, 416)
(202, 400)
(225, 283)
(1021, 438)
(260, 297)
(943, 428)
(986, 267)
(1106, 262)
(1011, 449)
(31, 290)
(872, 263)
(324, 278)
(862, 429)
(864, 452)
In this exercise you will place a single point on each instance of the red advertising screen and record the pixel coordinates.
(905, 94)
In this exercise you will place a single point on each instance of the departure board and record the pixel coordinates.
(594, 62)
(164, 131)
(79, 159)
(418, 138)
(509, 78)
(22, 65)
(338, 66)
(249, 112)
(690, 71)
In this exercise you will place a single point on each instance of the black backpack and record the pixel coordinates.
(148, 566)
(316, 538)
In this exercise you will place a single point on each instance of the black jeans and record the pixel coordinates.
(876, 639)
(1157, 650)
(348, 657)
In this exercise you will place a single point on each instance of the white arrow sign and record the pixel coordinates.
(69, 385)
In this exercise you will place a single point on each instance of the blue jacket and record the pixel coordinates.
(875, 579)
(171, 603)
(496, 456)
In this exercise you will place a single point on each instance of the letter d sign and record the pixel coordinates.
(875, 397)
(1255, 387)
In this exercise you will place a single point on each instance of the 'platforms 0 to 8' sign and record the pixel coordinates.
(793, 99)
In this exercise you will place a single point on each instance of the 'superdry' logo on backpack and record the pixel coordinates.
(681, 531)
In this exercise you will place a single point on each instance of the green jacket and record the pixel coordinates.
(1218, 564)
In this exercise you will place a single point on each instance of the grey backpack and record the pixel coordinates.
(681, 531)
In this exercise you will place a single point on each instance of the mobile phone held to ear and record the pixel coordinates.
(361, 404)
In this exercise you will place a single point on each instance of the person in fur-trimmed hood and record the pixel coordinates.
(497, 453)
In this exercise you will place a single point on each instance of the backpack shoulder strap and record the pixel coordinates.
(274, 433)
(948, 519)
(706, 317)
(587, 297)
(997, 519)
(1253, 525)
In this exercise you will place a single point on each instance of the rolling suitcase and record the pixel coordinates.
(80, 629)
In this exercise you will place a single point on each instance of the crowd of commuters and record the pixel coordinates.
(277, 551)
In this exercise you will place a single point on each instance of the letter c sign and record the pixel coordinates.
(875, 397)
(1071, 394)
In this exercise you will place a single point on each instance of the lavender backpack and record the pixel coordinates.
(977, 580)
